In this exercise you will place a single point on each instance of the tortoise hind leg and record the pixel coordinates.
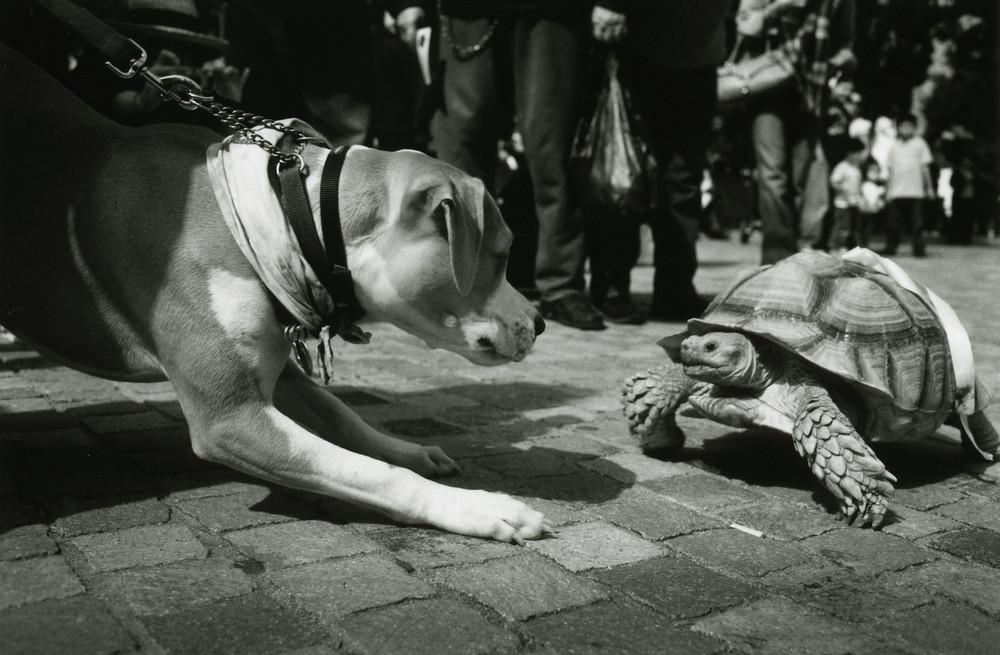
(840, 458)
(650, 402)
(980, 440)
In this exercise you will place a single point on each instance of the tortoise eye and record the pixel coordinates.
(710, 347)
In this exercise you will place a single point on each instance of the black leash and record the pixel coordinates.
(127, 59)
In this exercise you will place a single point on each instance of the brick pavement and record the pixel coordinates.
(115, 538)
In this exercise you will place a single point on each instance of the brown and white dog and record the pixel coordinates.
(114, 259)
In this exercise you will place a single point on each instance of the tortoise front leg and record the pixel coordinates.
(842, 461)
(650, 402)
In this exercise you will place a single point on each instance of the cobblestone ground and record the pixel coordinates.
(115, 538)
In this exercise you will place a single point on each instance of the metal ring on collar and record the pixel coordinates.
(289, 158)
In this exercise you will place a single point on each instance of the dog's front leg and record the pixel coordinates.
(298, 396)
(227, 392)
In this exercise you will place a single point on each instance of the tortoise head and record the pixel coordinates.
(727, 358)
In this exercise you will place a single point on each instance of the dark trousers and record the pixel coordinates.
(844, 227)
(783, 154)
(905, 214)
(538, 62)
(677, 109)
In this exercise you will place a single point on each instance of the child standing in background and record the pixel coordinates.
(872, 200)
(909, 187)
(845, 183)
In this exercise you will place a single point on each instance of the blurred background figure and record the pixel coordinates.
(520, 58)
(669, 52)
(908, 187)
(786, 123)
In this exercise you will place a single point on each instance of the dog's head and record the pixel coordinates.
(428, 250)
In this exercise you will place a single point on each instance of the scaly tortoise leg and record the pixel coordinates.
(650, 402)
(842, 461)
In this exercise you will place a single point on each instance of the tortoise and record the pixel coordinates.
(833, 351)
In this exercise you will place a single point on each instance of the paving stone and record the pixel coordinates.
(857, 599)
(962, 581)
(259, 507)
(32, 580)
(14, 512)
(593, 545)
(421, 427)
(142, 440)
(776, 625)
(242, 626)
(973, 510)
(169, 462)
(299, 542)
(569, 446)
(175, 587)
(783, 520)
(738, 552)
(926, 496)
(76, 516)
(332, 589)
(522, 586)
(616, 627)
(634, 467)
(50, 439)
(677, 587)
(73, 625)
(82, 409)
(701, 491)
(912, 524)
(142, 546)
(946, 628)
(427, 549)
(87, 484)
(868, 552)
(426, 627)
(26, 541)
(971, 543)
(810, 574)
(148, 420)
(532, 463)
(580, 490)
(652, 515)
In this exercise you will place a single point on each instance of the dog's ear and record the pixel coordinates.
(462, 223)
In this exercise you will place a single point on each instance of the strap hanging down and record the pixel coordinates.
(125, 56)
(329, 263)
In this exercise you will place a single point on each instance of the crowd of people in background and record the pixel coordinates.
(888, 126)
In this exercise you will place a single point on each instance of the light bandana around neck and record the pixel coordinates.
(238, 170)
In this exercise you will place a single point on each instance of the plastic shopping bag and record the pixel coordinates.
(614, 165)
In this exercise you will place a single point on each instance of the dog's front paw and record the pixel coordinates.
(486, 514)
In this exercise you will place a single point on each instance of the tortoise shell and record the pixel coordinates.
(854, 323)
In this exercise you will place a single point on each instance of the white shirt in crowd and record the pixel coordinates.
(906, 165)
(846, 182)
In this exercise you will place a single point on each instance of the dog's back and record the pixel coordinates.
(88, 212)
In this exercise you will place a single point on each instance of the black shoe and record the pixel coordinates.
(622, 310)
(885, 252)
(678, 309)
(920, 252)
(574, 310)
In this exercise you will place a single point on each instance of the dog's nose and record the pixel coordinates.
(539, 325)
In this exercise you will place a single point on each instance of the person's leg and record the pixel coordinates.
(840, 227)
(918, 208)
(893, 225)
(865, 221)
(464, 129)
(777, 219)
(547, 67)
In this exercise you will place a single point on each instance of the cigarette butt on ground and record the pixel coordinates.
(749, 531)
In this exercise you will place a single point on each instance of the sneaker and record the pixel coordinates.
(678, 309)
(574, 310)
(622, 310)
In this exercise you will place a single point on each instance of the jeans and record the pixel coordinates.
(538, 62)
(905, 213)
(783, 155)
(677, 108)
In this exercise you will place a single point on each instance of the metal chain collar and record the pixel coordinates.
(461, 51)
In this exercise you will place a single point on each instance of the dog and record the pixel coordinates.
(115, 260)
